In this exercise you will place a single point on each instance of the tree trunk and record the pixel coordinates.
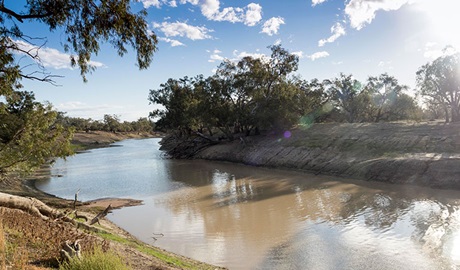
(29, 205)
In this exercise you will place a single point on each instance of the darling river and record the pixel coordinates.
(244, 217)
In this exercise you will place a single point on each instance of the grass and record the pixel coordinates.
(10, 254)
(95, 260)
(2, 247)
(150, 251)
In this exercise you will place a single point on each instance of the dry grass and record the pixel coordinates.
(30, 241)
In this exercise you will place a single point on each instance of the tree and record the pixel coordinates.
(176, 97)
(385, 91)
(112, 123)
(439, 83)
(84, 24)
(29, 134)
(347, 95)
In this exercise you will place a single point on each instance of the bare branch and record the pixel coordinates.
(22, 17)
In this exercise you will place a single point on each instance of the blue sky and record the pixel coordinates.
(361, 37)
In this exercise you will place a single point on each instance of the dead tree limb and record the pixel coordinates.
(101, 215)
(29, 205)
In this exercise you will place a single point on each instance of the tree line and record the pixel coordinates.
(110, 123)
(257, 94)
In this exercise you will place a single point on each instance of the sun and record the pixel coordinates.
(444, 20)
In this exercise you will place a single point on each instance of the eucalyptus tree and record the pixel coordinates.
(84, 26)
(439, 82)
(178, 105)
(385, 90)
(348, 96)
(30, 134)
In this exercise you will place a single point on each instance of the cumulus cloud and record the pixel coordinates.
(253, 14)
(272, 26)
(49, 57)
(173, 42)
(337, 31)
(181, 29)
(433, 50)
(249, 15)
(151, 3)
(239, 55)
(299, 54)
(362, 12)
(215, 56)
(318, 55)
(317, 2)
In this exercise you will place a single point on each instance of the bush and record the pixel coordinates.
(96, 260)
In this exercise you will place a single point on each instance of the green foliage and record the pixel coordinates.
(85, 24)
(29, 134)
(348, 96)
(243, 96)
(439, 83)
(95, 260)
(263, 94)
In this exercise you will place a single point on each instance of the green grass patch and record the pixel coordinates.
(172, 260)
(95, 260)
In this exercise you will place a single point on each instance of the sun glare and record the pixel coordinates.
(444, 20)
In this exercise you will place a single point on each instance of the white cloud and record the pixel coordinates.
(173, 42)
(337, 31)
(277, 42)
(433, 50)
(151, 3)
(215, 56)
(362, 12)
(300, 54)
(50, 57)
(183, 30)
(272, 26)
(239, 55)
(253, 14)
(249, 15)
(317, 2)
(318, 55)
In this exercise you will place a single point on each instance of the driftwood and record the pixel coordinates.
(101, 215)
(30, 205)
(70, 250)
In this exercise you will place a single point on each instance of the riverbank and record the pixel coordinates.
(96, 139)
(426, 154)
(30, 242)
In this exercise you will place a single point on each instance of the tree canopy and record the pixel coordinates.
(84, 24)
(439, 82)
(255, 94)
(32, 133)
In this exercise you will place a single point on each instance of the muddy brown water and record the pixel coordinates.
(243, 217)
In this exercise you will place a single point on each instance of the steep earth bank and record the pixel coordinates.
(425, 154)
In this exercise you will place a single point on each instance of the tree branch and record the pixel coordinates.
(22, 17)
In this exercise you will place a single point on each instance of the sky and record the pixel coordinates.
(360, 37)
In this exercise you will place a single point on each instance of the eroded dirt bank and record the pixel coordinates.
(410, 153)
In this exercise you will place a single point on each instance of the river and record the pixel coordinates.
(244, 217)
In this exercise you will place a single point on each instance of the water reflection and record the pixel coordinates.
(253, 218)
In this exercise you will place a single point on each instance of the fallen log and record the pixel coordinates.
(101, 215)
(29, 205)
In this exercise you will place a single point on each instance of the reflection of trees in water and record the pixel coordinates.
(257, 204)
